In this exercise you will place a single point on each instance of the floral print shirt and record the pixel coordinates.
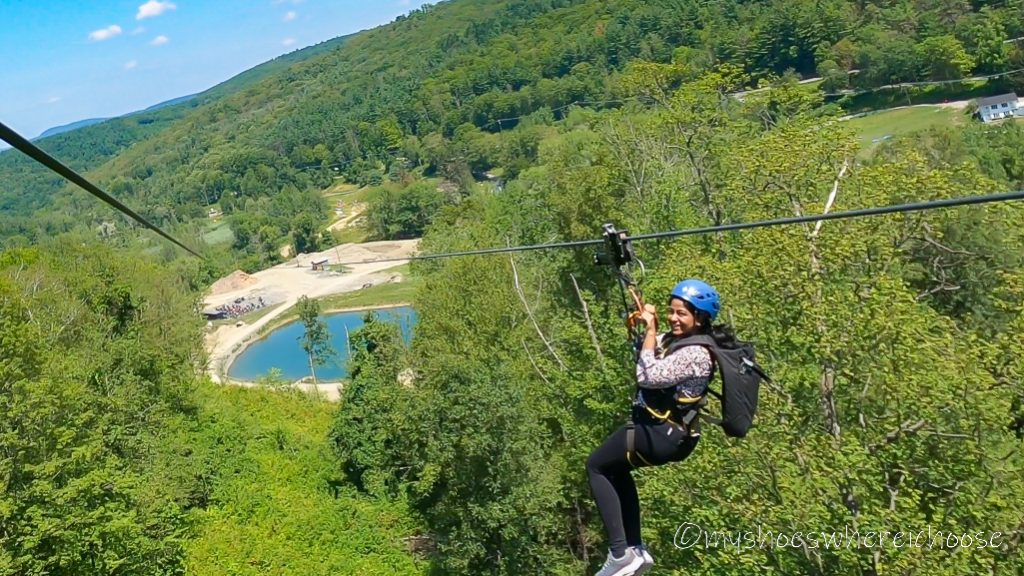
(689, 368)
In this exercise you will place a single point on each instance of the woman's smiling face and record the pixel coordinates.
(681, 320)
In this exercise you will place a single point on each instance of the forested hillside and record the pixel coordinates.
(29, 189)
(423, 91)
(895, 343)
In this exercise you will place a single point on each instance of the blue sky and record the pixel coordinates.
(64, 60)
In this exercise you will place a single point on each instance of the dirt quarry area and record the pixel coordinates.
(299, 276)
(305, 275)
(236, 281)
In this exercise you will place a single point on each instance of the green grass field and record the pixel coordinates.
(219, 233)
(351, 235)
(379, 295)
(350, 195)
(341, 188)
(876, 128)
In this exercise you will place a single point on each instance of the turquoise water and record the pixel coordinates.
(281, 348)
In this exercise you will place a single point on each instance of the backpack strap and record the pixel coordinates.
(710, 419)
(699, 339)
(711, 345)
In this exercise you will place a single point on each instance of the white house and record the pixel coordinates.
(998, 107)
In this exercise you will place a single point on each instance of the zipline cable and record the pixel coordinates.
(912, 207)
(31, 150)
(896, 208)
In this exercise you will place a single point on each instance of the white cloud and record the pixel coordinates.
(154, 8)
(159, 40)
(131, 64)
(290, 16)
(105, 33)
(277, 2)
(53, 100)
(287, 42)
(404, 3)
(138, 30)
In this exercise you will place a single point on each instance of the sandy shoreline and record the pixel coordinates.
(285, 284)
(328, 389)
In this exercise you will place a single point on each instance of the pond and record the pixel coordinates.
(281, 348)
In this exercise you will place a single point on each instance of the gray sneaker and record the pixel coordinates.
(642, 552)
(627, 565)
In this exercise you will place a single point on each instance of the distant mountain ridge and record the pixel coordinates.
(236, 82)
(92, 121)
(170, 102)
(69, 127)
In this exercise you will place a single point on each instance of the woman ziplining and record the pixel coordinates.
(673, 372)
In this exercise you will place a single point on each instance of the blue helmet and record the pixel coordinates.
(699, 294)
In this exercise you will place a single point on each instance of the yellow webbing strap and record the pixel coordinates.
(631, 445)
(686, 400)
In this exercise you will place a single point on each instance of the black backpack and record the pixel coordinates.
(741, 379)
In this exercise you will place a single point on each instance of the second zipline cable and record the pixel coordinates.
(860, 213)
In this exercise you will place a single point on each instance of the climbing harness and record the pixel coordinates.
(734, 362)
(619, 256)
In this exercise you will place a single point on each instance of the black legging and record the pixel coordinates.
(612, 484)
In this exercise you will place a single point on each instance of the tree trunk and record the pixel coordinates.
(311, 370)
